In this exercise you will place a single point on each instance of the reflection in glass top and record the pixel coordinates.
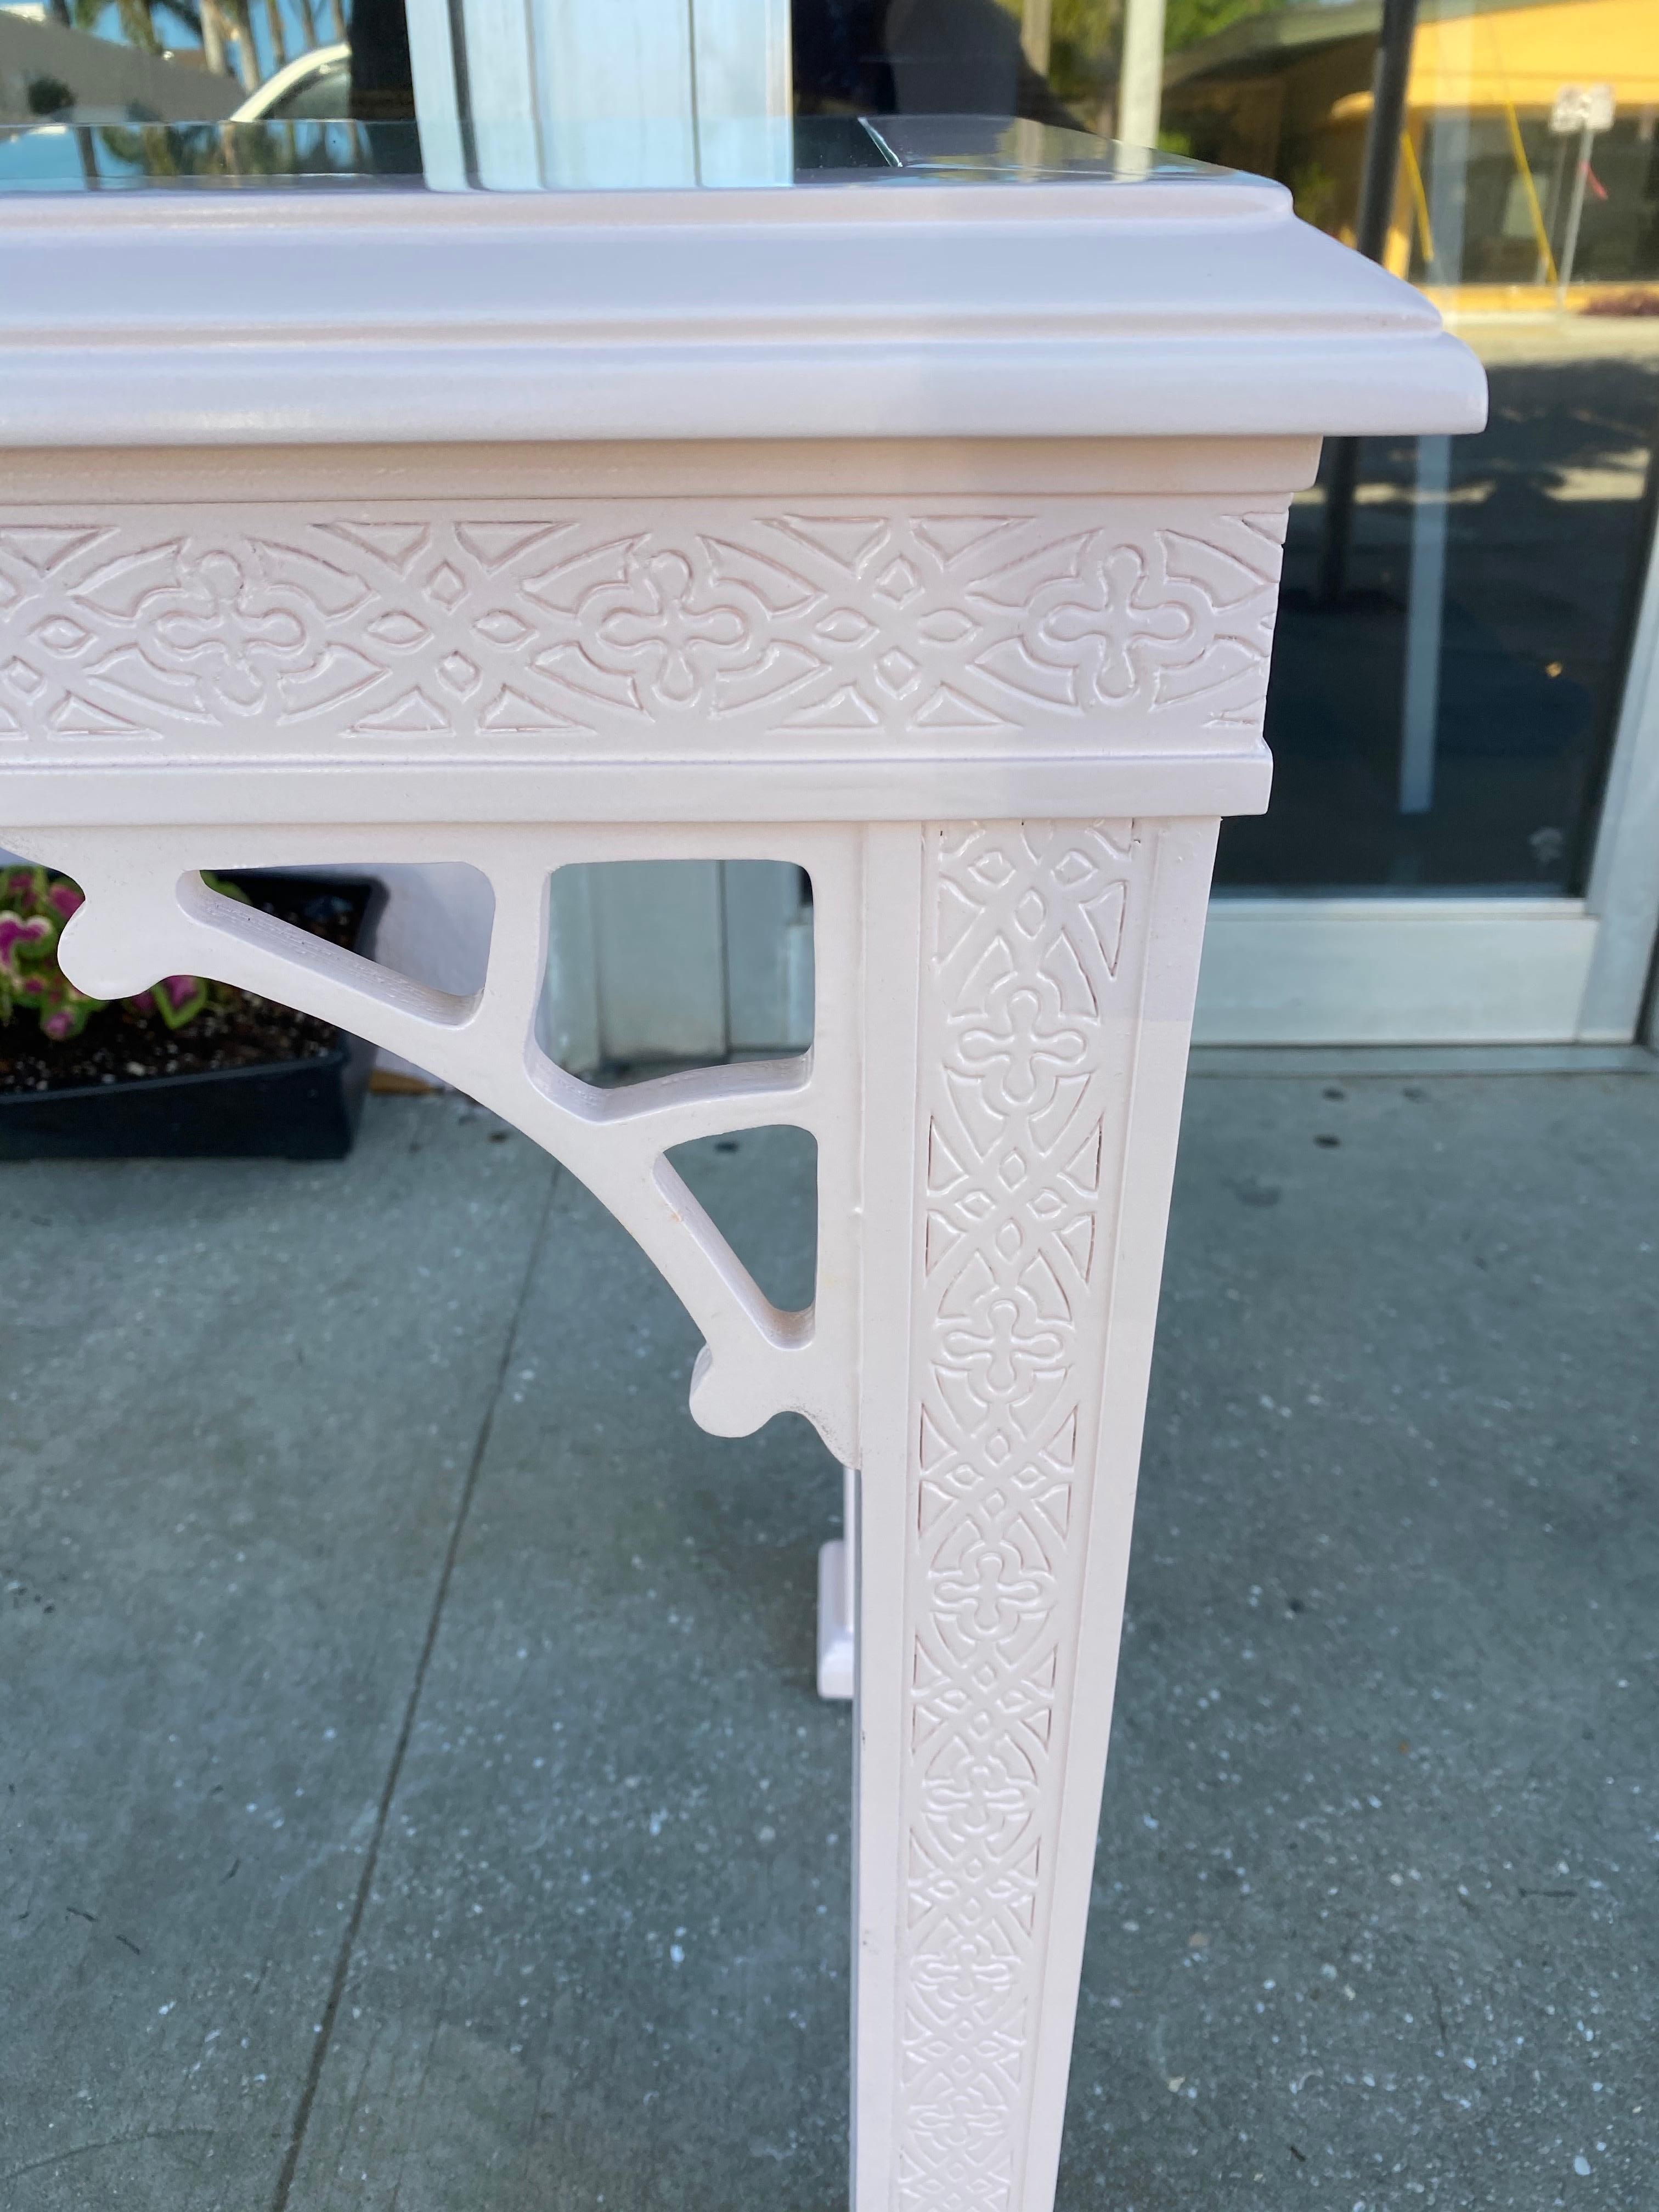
(526, 94)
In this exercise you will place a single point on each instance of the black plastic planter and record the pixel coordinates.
(291, 1109)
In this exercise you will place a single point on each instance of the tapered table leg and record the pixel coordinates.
(1022, 1107)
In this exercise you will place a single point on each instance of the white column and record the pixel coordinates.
(767, 957)
(657, 936)
(570, 999)
(743, 73)
(838, 1597)
(1140, 73)
(1021, 1105)
(437, 96)
(614, 88)
(498, 71)
(595, 93)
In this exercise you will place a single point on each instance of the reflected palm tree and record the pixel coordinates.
(219, 27)
(230, 153)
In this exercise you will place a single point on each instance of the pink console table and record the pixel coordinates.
(923, 530)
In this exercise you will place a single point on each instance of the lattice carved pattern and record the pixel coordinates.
(268, 630)
(1029, 923)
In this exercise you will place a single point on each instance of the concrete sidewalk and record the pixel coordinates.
(415, 1796)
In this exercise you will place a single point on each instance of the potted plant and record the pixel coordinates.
(192, 1069)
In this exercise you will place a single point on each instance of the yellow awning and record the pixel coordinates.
(1523, 57)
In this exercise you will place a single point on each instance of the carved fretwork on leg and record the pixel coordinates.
(1044, 1127)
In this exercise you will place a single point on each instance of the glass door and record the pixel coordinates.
(1462, 844)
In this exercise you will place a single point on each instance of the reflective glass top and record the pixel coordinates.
(306, 146)
(532, 95)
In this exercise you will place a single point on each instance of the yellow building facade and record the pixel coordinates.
(1288, 93)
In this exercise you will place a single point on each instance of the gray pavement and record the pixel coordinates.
(415, 1798)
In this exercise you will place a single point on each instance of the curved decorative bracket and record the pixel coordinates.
(148, 913)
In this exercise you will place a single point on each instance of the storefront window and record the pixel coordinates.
(1447, 673)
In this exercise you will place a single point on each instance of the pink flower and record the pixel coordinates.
(178, 999)
(30, 926)
(18, 931)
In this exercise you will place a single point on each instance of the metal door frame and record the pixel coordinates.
(1356, 969)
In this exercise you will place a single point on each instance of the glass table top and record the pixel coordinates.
(306, 144)
(535, 95)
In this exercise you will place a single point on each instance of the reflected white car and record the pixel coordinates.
(316, 88)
